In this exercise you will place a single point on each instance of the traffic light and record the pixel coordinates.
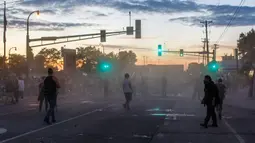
(181, 52)
(160, 50)
(213, 66)
(102, 36)
(104, 67)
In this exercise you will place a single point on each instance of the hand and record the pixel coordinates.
(203, 101)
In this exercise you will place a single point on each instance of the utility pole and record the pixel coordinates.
(206, 23)
(4, 36)
(214, 52)
(144, 60)
(130, 18)
(204, 41)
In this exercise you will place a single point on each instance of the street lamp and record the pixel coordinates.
(11, 49)
(28, 50)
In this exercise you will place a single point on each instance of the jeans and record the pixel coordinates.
(45, 103)
(210, 113)
(51, 113)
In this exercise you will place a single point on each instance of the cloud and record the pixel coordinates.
(20, 23)
(219, 14)
(218, 20)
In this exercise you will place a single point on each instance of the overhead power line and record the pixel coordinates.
(230, 21)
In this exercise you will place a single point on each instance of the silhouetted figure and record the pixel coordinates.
(106, 88)
(127, 89)
(42, 98)
(210, 100)
(198, 90)
(51, 85)
(164, 86)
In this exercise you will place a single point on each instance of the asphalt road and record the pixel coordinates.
(151, 120)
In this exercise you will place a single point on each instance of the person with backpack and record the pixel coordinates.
(51, 86)
(211, 101)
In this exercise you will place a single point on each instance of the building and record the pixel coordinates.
(159, 70)
(229, 64)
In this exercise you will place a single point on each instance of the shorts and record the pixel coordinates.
(128, 96)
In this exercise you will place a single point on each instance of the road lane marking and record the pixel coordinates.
(31, 109)
(58, 123)
(238, 137)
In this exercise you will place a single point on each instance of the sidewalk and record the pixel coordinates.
(240, 99)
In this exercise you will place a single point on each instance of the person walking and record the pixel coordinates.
(128, 90)
(21, 84)
(222, 95)
(210, 100)
(51, 85)
(42, 98)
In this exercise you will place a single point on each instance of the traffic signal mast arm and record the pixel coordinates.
(80, 37)
(188, 52)
(102, 34)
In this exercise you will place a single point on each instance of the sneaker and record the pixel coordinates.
(214, 125)
(47, 121)
(54, 121)
(204, 125)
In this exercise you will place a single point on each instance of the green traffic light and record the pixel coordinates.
(213, 66)
(181, 52)
(160, 50)
(104, 67)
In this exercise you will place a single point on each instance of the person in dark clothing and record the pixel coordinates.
(106, 88)
(51, 85)
(42, 97)
(198, 90)
(211, 100)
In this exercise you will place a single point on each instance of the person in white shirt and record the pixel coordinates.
(127, 89)
(21, 87)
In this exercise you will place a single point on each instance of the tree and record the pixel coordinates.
(1, 61)
(126, 59)
(39, 63)
(246, 46)
(52, 57)
(17, 63)
(88, 56)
